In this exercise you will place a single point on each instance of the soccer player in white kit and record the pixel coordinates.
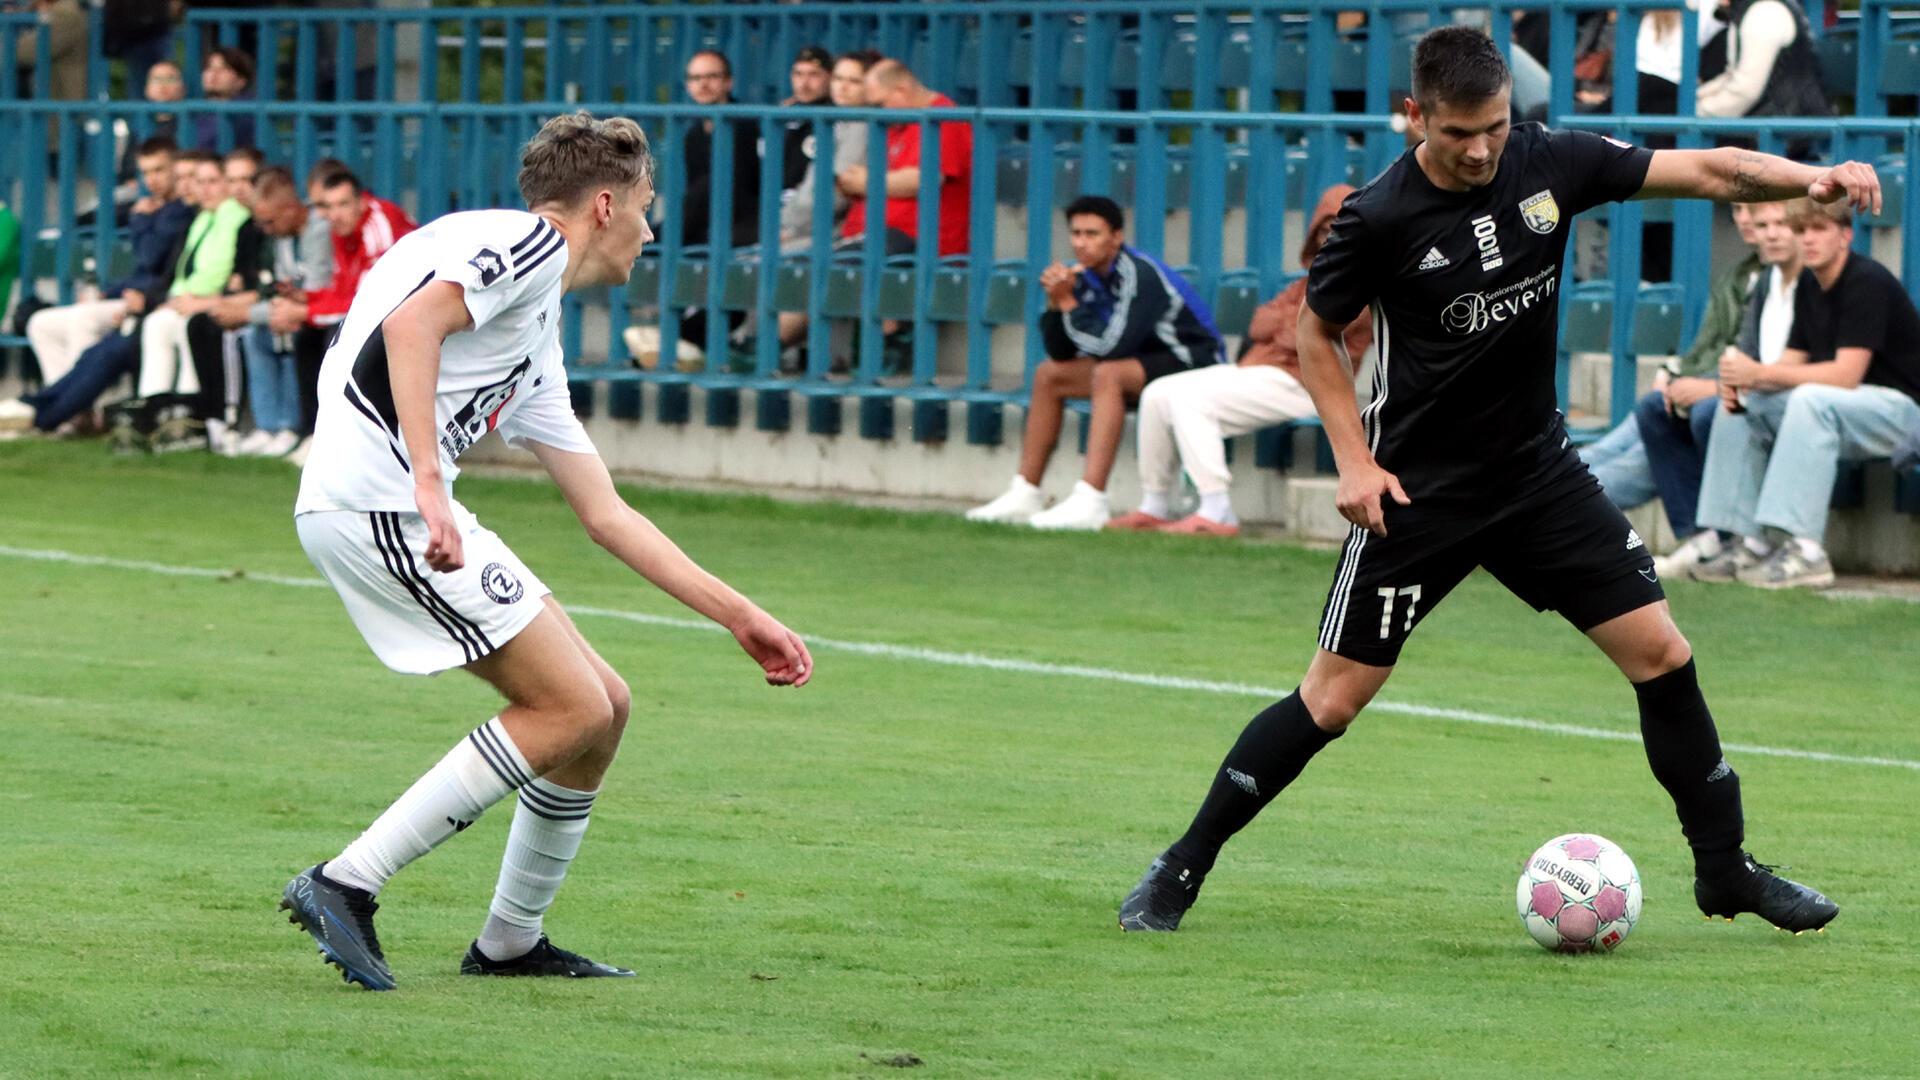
(455, 333)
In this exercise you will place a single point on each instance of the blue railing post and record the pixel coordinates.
(721, 197)
(766, 359)
(980, 254)
(1042, 153)
(873, 254)
(926, 342)
(820, 252)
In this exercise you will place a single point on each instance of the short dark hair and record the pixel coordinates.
(726, 66)
(156, 145)
(815, 55)
(1101, 207)
(342, 176)
(247, 153)
(197, 156)
(273, 181)
(1459, 65)
(235, 58)
(866, 58)
(324, 168)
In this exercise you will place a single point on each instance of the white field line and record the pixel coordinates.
(981, 661)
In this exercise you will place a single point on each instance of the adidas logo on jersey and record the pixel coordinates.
(1434, 260)
(1633, 539)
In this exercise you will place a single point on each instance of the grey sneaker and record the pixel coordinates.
(1727, 565)
(1787, 568)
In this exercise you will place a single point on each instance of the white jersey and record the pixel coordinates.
(505, 373)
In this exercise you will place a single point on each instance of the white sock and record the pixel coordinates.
(1758, 546)
(1084, 490)
(1157, 503)
(1705, 543)
(1020, 485)
(1217, 507)
(547, 828)
(480, 770)
(1810, 550)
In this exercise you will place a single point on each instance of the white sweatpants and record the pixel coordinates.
(60, 334)
(165, 363)
(1185, 418)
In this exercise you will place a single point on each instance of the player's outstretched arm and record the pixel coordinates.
(1730, 174)
(413, 335)
(634, 540)
(1328, 377)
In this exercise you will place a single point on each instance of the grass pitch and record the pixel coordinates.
(907, 861)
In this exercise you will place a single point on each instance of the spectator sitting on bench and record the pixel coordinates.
(1675, 434)
(205, 262)
(1845, 389)
(61, 335)
(1115, 321)
(1185, 418)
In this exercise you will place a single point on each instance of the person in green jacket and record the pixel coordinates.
(1619, 459)
(201, 274)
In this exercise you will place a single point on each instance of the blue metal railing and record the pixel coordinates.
(1177, 173)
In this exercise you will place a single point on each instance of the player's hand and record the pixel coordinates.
(779, 651)
(1359, 498)
(444, 552)
(1854, 181)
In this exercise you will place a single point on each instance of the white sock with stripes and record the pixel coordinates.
(480, 770)
(547, 828)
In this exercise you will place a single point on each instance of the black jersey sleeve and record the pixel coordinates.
(1348, 272)
(1598, 169)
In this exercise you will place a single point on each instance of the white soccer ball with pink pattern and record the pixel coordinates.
(1579, 893)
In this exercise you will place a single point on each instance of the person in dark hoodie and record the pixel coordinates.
(1116, 320)
(1185, 418)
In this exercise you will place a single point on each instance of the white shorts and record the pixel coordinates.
(417, 620)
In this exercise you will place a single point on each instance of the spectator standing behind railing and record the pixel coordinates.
(139, 32)
(67, 33)
(1845, 389)
(163, 85)
(1115, 321)
(62, 336)
(225, 75)
(1771, 66)
(201, 271)
(1676, 421)
(1186, 417)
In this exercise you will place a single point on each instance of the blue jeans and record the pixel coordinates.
(1677, 456)
(1619, 461)
(106, 363)
(273, 390)
(1774, 464)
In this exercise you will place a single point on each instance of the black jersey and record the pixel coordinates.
(1465, 290)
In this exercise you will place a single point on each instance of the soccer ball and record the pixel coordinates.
(1579, 893)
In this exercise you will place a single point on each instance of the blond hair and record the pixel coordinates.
(574, 154)
(1803, 212)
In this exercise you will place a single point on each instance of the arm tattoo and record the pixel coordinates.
(1745, 185)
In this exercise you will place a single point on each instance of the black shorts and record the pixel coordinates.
(1160, 364)
(1562, 547)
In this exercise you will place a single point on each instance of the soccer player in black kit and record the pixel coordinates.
(1461, 459)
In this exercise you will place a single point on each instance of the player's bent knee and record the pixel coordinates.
(620, 699)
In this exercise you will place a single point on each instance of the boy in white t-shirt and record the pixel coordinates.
(454, 333)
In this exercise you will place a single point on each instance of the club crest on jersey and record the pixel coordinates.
(500, 585)
(490, 265)
(1540, 212)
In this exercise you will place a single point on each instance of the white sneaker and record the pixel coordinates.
(643, 346)
(1693, 551)
(1013, 506)
(1085, 509)
(297, 457)
(15, 413)
(252, 443)
(281, 444)
(220, 438)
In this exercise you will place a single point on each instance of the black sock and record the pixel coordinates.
(1272, 750)
(1684, 750)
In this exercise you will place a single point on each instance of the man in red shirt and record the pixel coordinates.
(364, 227)
(891, 86)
